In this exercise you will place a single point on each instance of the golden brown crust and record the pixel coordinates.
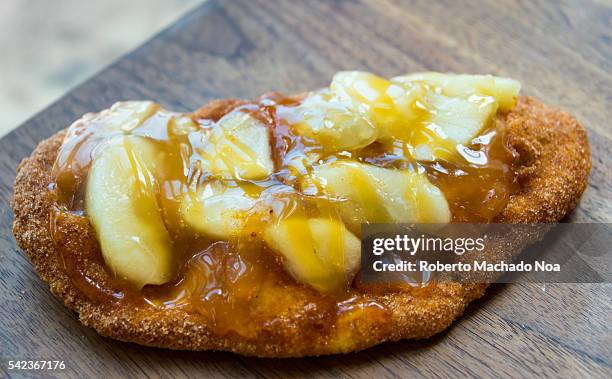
(556, 158)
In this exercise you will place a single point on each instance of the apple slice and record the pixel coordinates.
(125, 115)
(390, 106)
(319, 252)
(504, 90)
(333, 125)
(459, 119)
(238, 147)
(379, 195)
(121, 203)
(217, 210)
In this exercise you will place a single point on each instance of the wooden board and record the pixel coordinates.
(562, 54)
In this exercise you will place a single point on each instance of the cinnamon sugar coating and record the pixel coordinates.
(555, 157)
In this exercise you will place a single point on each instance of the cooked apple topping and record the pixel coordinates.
(333, 125)
(217, 210)
(317, 251)
(121, 203)
(237, 147)
(285, 182)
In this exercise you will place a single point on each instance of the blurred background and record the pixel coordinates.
(50, 46)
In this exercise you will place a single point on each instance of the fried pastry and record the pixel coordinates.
(237, 227)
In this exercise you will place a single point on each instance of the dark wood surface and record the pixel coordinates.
(561, 52)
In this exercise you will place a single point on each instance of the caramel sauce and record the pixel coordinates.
(238, 283)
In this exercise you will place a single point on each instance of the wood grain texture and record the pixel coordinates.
(560, 51)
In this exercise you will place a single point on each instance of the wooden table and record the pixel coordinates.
(562, 54)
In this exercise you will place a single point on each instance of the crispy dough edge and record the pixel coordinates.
(554, 150)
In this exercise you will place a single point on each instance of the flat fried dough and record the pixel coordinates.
(555, 163)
